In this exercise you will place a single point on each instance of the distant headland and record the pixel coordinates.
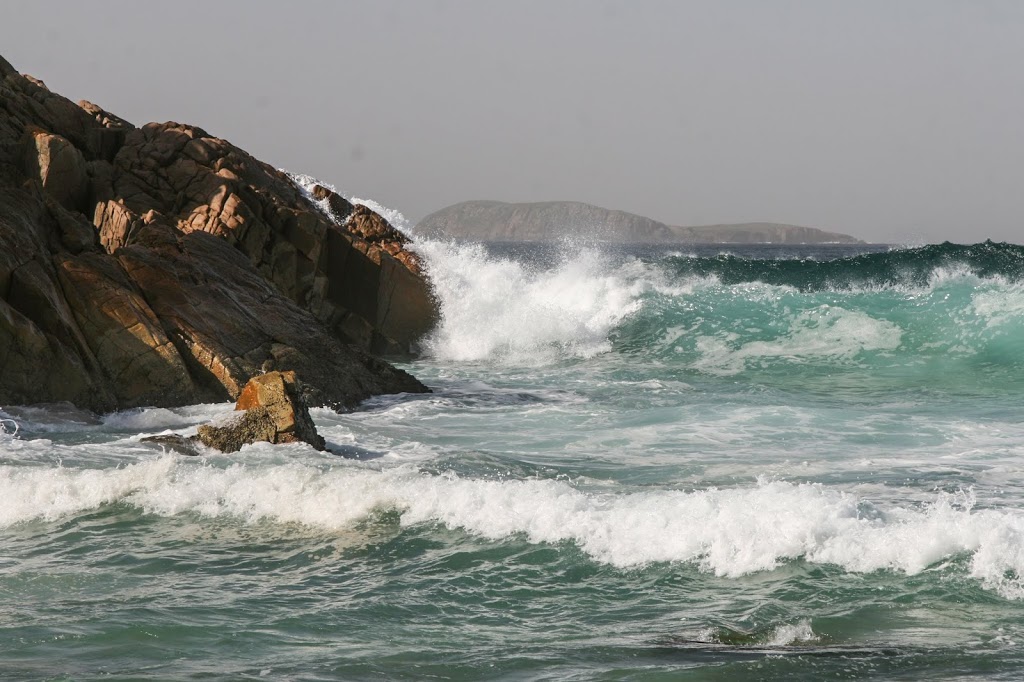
(551, 220)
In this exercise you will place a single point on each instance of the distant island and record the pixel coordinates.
(550, 220)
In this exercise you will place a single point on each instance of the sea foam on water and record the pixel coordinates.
(729, 532)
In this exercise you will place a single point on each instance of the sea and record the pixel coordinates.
(678, 462)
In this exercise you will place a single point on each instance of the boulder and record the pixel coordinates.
(271, 409)
(174, 442)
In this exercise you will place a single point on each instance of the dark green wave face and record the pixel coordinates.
(911, 267)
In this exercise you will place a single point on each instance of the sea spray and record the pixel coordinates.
(306, 182)
(500, 309)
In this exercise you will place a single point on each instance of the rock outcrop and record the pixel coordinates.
(554, 220)
(270, 409)
(164, 266)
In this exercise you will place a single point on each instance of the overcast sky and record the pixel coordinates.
(896, 121)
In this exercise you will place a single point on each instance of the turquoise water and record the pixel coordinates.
(637, 463)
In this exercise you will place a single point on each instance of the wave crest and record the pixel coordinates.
(729, 532)
(504, 310)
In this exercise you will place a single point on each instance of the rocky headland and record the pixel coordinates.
(554, 220)
(162, 266)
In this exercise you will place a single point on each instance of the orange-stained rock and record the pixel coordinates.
(272, 410)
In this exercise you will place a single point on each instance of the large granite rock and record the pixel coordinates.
(163, 266)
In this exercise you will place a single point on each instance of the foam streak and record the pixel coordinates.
(730, 532)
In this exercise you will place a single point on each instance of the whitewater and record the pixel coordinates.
(686, 462)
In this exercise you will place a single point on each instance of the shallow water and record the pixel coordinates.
(637, 463)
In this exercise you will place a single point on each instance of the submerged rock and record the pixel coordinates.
(271, 409)
(175, 442)
(163, 266)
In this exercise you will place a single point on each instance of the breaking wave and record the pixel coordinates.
(729, 532)
(932, 307)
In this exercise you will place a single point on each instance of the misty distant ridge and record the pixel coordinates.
(552, 220)
(761, 233)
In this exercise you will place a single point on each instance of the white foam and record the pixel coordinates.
(151, 419)
(64, 418)
(500, 309)
(797, 633)
(50, 493)
(999, 306)
(729, 532)
(393, 216)
(49, 418)
(306, 182)
(831, 332)
(8, 427)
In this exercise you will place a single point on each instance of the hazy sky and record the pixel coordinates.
(890, 120)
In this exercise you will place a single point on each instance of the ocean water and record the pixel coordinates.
(646, 463)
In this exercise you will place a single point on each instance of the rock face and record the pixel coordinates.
(400, 309)
(270, 409)
(553, 220)
(164, 266)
